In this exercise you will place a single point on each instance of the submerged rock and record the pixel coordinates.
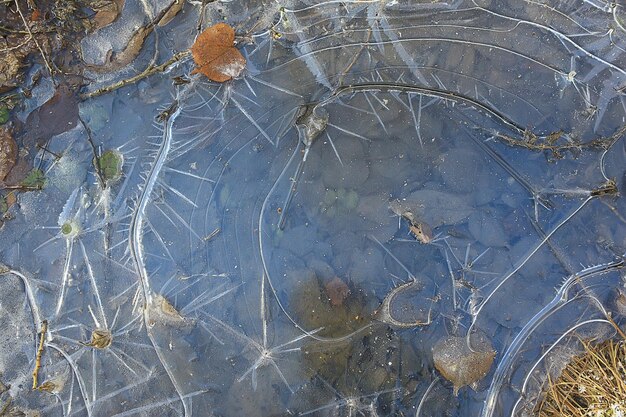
(337, 291)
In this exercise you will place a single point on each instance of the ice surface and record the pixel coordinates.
(209, 263)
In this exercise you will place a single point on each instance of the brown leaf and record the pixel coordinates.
(173, 10)
(55, 116)
(36, 15)
(215, 54)
(11, 199)
(107, 13)
(8, 152)
(121, 59)
(460, 364)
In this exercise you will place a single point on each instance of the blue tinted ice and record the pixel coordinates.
(296, 241)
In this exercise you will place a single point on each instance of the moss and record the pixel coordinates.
(66, 229)
(110, 164)
(4, 114)
(34, 180)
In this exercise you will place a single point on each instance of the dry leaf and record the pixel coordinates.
(11, 199)
(461, 365)
(421, 231)
(8, 152)
(36, 15)
(173, 10)
(215, 54)
(55, 116)
(121, 59)
(107, 13)
(100, 339)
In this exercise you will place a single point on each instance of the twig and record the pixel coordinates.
(44, 329)
(18, 46)
(527, 139)
(30, 33)
(96, 157)
(20, 188)
(43, 148)
(530, 142)
(12, 31)
(145, 73)
(9, 29)
(211, 235)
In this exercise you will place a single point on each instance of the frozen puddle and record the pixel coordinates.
(386, 183)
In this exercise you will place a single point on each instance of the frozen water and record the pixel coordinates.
(201, 282)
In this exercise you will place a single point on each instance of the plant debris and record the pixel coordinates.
(608, 188)
(4, 114)
(107, 12)
(118, 60)
(215, 54)
(592, 384)
(6, 202)
(11, 62)
(42, 339)
(35, 180)
(420, 230)
(8, 152)
(555, 145)
(110, 165)
(461, 365)
(171, 12)
(100, 339)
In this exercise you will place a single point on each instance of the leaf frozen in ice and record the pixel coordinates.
(215, 54)
(460, 363)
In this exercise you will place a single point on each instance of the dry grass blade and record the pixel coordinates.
(592, 384)
(30, 35)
